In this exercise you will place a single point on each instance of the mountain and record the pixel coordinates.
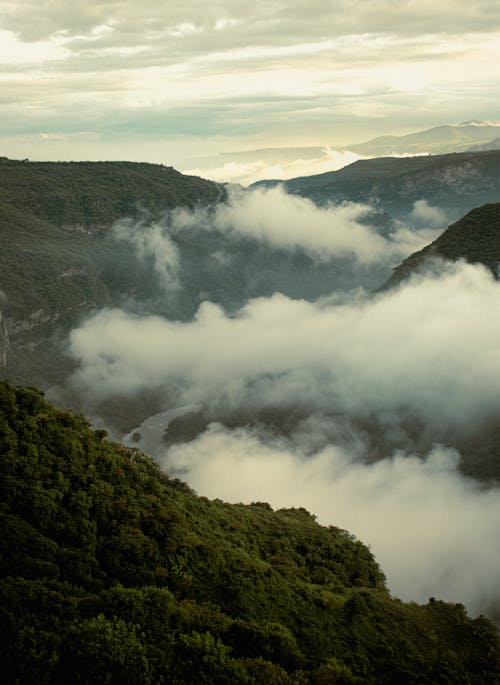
(58, 260)
(112, 572)
(435, 140)
(62, 259)
(455, 182)
(474, 238)
(249, 166)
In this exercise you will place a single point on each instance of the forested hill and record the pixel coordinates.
(58, 260)
(474, 238)
(92, 195)
(111, 572)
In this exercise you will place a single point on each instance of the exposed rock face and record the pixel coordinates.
(4, 341)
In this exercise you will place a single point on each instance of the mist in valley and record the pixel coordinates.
(277, 375)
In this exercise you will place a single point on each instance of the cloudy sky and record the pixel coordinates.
(165, 82)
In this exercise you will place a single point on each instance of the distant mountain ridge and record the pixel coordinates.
(250, 166)
(435, 140)
(455, 182)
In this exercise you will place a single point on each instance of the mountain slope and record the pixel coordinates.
(435, 140)
(474, 238)
(454, 182)
(111, 572)
(58, 261)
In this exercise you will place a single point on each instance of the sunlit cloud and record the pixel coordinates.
(332, 75)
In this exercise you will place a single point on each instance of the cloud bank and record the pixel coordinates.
(278, 220)
(155, 79)
(280, 164)
(430, 350)
(433, 532)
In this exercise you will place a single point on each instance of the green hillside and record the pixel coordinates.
(58, 261)
(91, 195)
(111, 572)
(474, 238)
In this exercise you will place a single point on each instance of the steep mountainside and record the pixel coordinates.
(454, 182)
(475, 238)
(57, 260)
(111, 572)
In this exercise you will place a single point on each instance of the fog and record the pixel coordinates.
(434, 532)
(276, 163)
(357, 378)
(277, 219)
(430, 347)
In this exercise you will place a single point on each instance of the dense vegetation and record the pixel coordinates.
(474, 238)
(456, 182)
(111, 572)
(93, 194)
(58, 261)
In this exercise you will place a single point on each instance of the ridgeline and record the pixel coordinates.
(454, 182)
(475, 238)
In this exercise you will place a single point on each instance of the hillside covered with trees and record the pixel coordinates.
(58, 260)
(112, 572)
(475, 238)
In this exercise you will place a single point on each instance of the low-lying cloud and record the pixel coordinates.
(429, 349)
(424, 214)
(271, 218)
(340, 366)
(434, 532)
(246, 168)
(151, 241)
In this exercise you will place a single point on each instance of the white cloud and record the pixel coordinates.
(152, 242)
(282, 168)
(272, 216)
(429, 349)
(424, 214)
(433, 532)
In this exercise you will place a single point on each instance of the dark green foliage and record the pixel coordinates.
(58, 261)
(92, 194)
(111, 572)
(475, 238)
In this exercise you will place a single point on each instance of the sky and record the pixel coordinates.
(170, 82)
